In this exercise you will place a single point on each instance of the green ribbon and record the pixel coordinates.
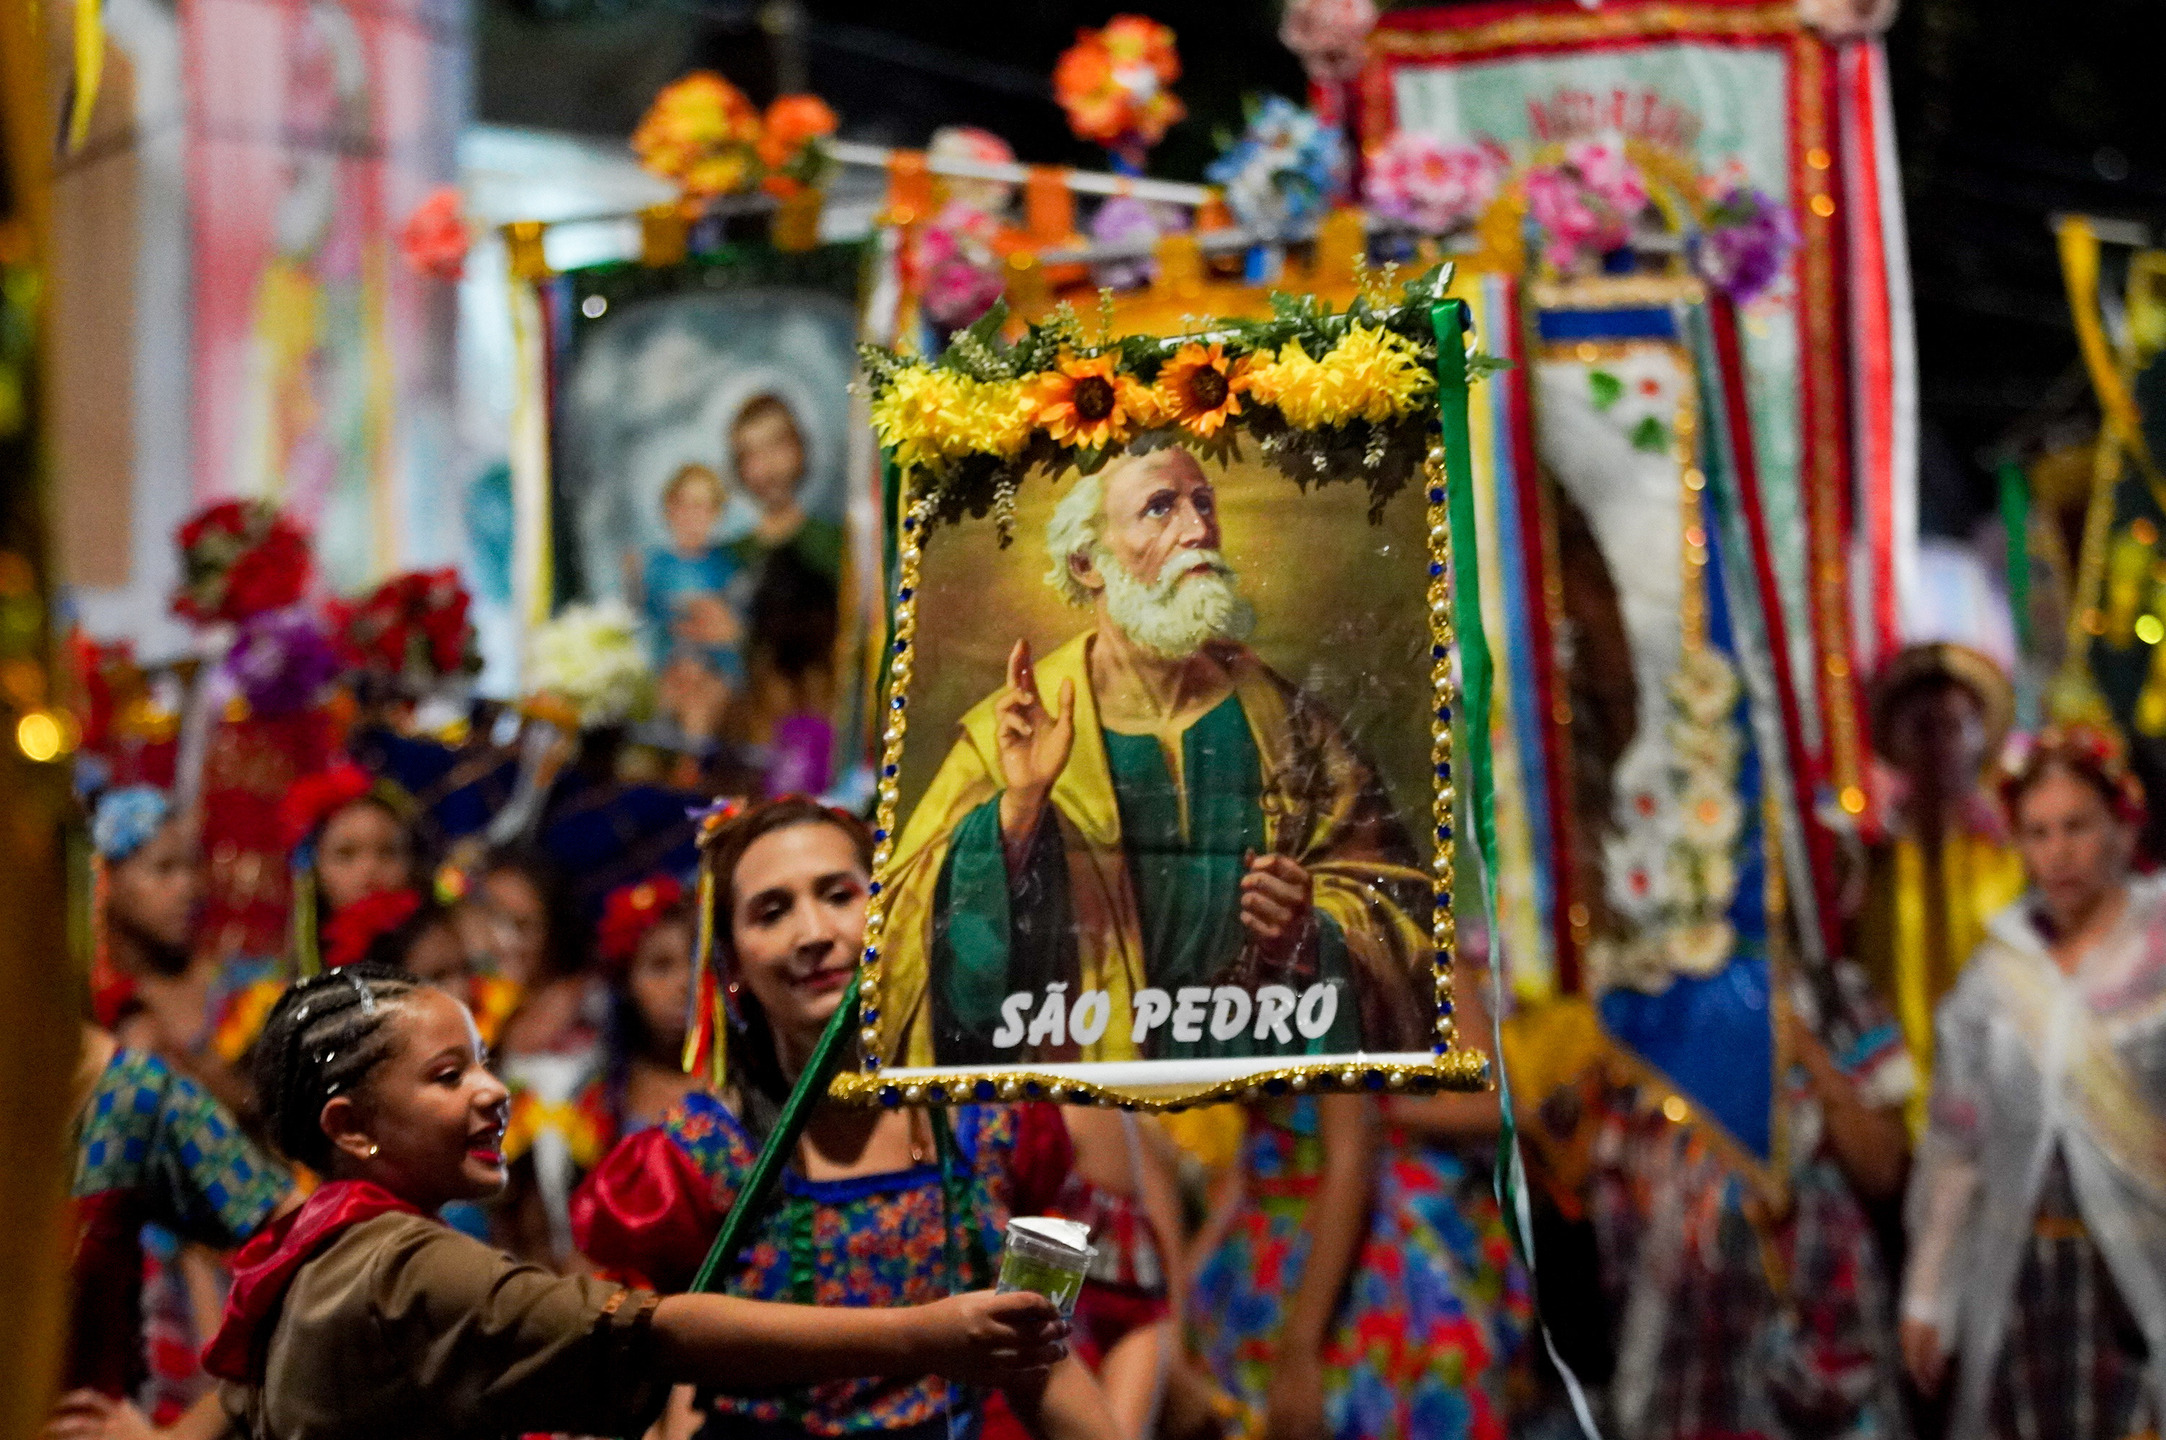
(2015, 500)
(805, 1095)
(1451, 321)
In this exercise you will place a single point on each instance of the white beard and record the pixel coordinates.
(1177, 615)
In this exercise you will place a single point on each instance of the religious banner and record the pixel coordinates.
(710, 472)
(1171, 646)
(1666, 475)
(1639, 138)
(315, 127)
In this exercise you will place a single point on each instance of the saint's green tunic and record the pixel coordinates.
(1186, 837)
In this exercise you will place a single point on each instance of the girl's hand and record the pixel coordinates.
(986, 1338)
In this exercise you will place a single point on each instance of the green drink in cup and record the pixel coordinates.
(1047, 1257)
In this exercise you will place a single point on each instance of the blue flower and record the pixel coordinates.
(126, 819)
(1284, 169)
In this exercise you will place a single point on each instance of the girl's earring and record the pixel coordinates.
(373, 1147)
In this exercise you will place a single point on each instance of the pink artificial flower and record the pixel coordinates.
(1420, 181)
(1586, 204)
(1607, 171)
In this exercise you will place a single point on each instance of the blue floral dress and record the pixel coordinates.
(1433, 1316)
(653, 1206)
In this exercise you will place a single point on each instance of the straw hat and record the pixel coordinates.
(1945, 660)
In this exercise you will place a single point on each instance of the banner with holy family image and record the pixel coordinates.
(1171, 653)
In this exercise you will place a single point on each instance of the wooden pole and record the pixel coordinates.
(40, 1035)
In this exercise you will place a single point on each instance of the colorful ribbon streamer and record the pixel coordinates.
(1451, 320)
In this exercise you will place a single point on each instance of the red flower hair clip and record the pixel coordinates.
(316, 798)
(348, 934)
(630, 912)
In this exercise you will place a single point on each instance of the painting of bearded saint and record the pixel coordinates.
(1147, 844)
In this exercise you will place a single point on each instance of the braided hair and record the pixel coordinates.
(323, 1039)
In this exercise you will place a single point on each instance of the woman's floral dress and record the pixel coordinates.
(651, 1209)
(1433, 1317)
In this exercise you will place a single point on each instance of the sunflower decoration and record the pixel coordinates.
(1323, 395)
(1200, 389)
(1087, 403)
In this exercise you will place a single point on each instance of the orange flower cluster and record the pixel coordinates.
(1114, 82)
(704, 134)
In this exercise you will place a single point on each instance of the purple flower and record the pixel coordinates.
(280, 660)
(1123, 219)
(1747, 238)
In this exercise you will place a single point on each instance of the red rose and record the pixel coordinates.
(240, 558)
(268, 576)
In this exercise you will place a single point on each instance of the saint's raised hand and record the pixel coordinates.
(1033, 742)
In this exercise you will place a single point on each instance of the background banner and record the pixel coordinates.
(322, 361)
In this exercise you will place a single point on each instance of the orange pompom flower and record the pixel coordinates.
(1113, 82)
(793, 122)
(702, 133)
(1088, 404)
(1199, 389)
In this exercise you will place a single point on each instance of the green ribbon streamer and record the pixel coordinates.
(1477, 674)
(810, 1089)
(1451, 321)
(2016, 524)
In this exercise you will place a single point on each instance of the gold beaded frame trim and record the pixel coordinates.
(924, 500)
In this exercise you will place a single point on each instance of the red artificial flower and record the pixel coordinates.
(227, 517)
(630, 912)
(316, 798)
(412, 622)
(435, 239)
(348, 934)
(240, 558)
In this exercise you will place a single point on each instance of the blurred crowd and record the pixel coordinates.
(1962, 1230)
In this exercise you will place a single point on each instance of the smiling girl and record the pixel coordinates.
(363, 1315)
(876, 1208)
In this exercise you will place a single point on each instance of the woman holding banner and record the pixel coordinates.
(877, 1208)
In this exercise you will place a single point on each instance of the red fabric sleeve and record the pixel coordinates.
(646, 1214)
(1042, 1157)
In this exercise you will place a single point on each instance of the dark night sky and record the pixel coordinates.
(2006, 113)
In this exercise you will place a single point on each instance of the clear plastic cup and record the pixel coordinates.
(1047, 1256)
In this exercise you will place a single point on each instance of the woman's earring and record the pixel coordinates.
(373, 1148)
